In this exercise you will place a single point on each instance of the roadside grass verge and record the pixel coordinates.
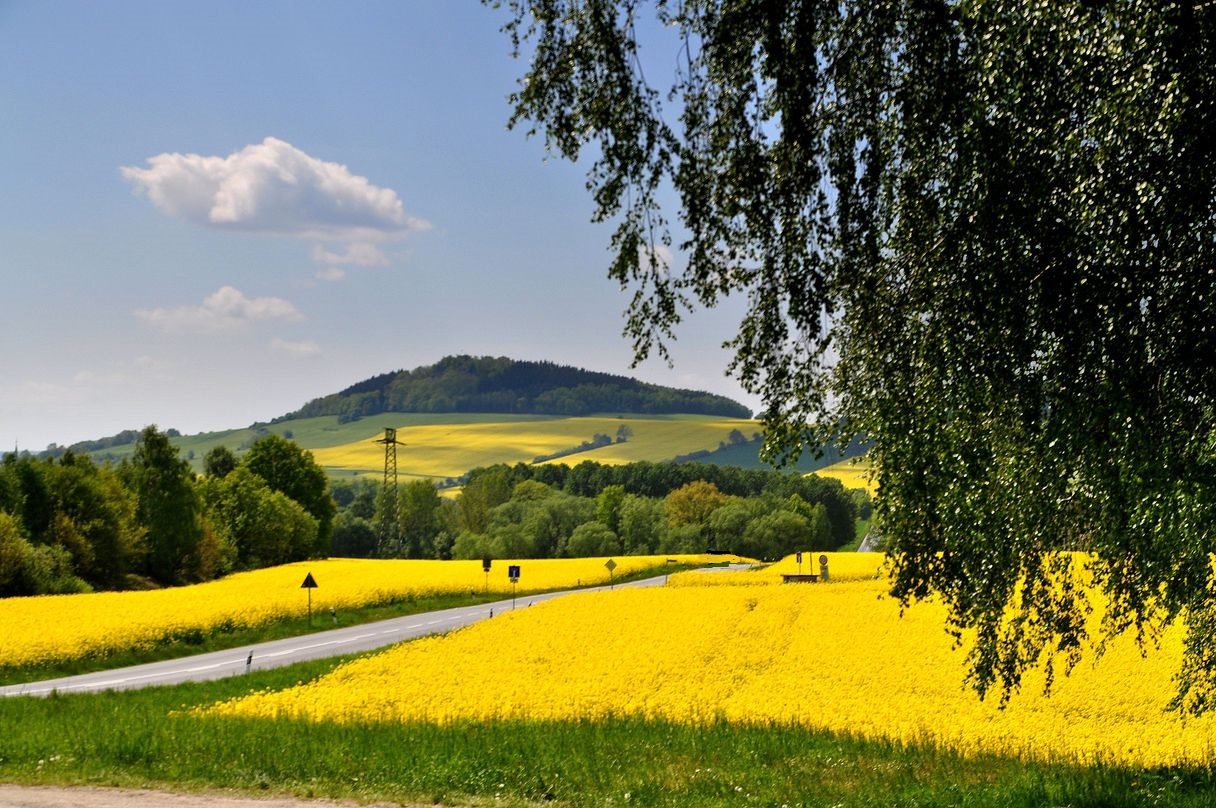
(224, 638)
(146, 738)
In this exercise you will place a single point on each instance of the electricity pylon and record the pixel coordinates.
(390, 541)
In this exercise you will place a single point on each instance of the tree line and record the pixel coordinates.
(552, 511)
(68, 524)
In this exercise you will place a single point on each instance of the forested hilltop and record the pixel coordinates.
(501, 385)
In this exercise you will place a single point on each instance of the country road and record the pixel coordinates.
(277, 653)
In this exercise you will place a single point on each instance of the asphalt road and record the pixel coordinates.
(274, 654)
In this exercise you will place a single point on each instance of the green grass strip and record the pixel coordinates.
(146, 739)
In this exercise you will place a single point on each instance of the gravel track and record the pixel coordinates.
(12, 796)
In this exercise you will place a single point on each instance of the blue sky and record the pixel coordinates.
(212, 212)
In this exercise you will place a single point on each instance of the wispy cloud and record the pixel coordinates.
(359, 254)
(331, 273)
(302, 349)
(273, 187)
(223, 310)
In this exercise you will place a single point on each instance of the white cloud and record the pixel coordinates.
(304, 348)
(358, 253)
(273, 187)
(657, 258)
(331, 274)
(225, 309)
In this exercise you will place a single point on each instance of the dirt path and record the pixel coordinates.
(85, 797)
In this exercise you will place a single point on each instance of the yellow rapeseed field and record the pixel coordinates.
(836, 656)
(856, 472)
(449, 450)
(841, 567)
(56, 628)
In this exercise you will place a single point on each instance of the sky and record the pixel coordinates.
(213, 212)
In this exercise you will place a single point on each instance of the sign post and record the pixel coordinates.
(823, 568)
(798, 556)
(611, 565)
(513, 574)
(310, 583)
(485, 567)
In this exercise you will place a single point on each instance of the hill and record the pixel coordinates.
(467, 384)
(664, 424)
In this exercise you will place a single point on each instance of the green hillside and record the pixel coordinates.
(500, 385)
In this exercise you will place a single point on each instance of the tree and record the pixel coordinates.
(775, 534)
(168, 506)
(417, 515)
(260, 526)
(219, 461)
(26, 569)
(641, 520)
(692, 504)
(980, 234)
(354, 536)
(486, 489)
(95, 520)
(608, 506)
(287, 468)
(592, 539)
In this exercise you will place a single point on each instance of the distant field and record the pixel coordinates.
(852, 473)
(440, 450)
(441, 445)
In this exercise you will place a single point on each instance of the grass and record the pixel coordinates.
(237, 637)
(860, 528)
(146, 738)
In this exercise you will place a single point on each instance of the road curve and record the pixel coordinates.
(277, 653)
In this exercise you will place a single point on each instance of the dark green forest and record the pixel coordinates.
(502, 385)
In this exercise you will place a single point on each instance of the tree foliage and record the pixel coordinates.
(499, 384)
(291, 470)
(982, 234)
(168, 507)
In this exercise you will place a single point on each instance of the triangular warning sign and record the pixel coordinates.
(309, 582)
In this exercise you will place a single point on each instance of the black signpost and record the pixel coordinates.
(611, 565)
(513, 574)
(485, 567)
(310, 583)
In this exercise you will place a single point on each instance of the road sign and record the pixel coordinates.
(310, 583)
(610, 564)
(513, 574)
(485, 564)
